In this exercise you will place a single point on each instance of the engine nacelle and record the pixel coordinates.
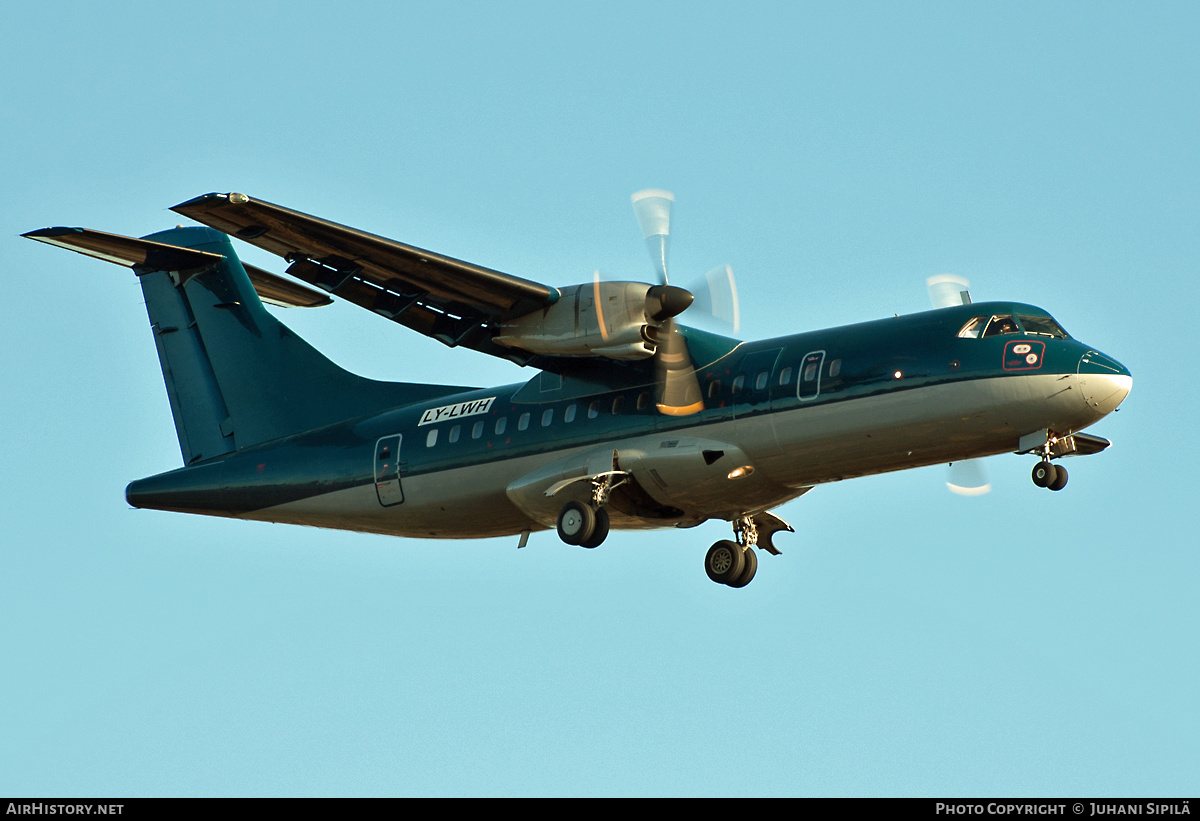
(596, 319)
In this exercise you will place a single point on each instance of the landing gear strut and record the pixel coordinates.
(734, 563)
(587, 525)
(1046, 474)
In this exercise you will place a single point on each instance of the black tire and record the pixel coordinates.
(1044, 474)
(724, 561)
(748, 569)
(599, 532)
(1060, 478)
(575, 522)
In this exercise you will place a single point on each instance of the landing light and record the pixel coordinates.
(738, 473)
(897, 374)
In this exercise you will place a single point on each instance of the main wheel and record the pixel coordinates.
(576, 521)
(748, 570)
(1044, 474)
(724, 561)
(1060, 478)
(599, 532)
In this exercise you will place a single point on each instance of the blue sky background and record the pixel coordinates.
(907, 642)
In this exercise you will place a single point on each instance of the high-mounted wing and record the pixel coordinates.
(159, 256)
(455, 302)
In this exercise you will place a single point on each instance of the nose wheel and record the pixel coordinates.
(1049, 475)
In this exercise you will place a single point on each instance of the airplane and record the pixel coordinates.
(632, 419)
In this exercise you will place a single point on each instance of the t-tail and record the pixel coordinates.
(236, 376)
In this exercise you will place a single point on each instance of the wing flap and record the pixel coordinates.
(404, 270)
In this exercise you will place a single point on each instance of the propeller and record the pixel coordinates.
(717, 297)
(716, 293)
(948, 290)
(678, 386)
(652, 207)
(968, 477)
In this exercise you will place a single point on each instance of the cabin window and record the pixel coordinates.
(785, 375)
(477, 430)
(643, 400)
(501, 424)
(594, 409)
(1001, 326)
(1042, 326)
(714, 389)
(431, 438)
(835, 368)
(569, 413)
(810, 371)
(760, 381)
(547, 417)
(454, 433)
(618, 405)
(739, 382)
(523, 421)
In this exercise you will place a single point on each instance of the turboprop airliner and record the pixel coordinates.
(632, 420)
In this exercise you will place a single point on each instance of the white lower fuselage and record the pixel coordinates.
(790, 451)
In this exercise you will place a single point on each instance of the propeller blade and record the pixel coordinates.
(717, 296)
(968, 478)
(678, 385)
(652, 207)
(948, 290)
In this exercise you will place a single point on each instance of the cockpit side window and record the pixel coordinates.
(973, 327)
(1001, 325)
(1042, 326)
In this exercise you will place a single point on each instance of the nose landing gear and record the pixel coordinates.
(1046, 474)
(1049, 475)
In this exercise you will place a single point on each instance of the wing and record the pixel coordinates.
(455, 302)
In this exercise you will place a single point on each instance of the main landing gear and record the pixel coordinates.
(587, 525)
(582, 524)
(734, 563)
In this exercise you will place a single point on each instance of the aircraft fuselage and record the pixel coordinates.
(791, 413)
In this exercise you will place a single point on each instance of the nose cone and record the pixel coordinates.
(1105, 382)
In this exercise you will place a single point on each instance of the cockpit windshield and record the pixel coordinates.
(1007, 324)
(1042, 326)
(1001, 326)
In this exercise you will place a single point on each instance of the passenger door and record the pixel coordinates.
(387, 471)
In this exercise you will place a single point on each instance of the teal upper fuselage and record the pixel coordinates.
(807, 408)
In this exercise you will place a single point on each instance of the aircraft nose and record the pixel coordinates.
(1104, 381)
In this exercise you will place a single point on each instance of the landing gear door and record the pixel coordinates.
(387, 471)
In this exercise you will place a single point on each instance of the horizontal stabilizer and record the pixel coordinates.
(155, 256)
(276, 290)
(148, 255)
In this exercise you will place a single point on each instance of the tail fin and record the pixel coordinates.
(235, 375)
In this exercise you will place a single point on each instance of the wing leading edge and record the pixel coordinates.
(455, 302)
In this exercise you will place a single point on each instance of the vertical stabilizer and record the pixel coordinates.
(236, 376)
